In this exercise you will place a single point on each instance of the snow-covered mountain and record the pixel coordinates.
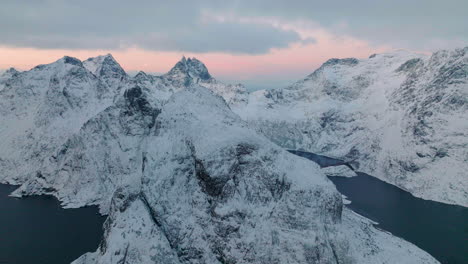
(5, 75)
(107, 69)
(182, 177)
(400, 116)
(187, 72)
(41, 108)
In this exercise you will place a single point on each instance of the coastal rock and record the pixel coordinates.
(339, 171)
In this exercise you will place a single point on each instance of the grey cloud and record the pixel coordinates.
(176, 26)
(228, 37)
(403, 23)
(99, 25)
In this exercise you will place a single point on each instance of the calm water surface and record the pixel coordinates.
(37, 230)
(437, 228)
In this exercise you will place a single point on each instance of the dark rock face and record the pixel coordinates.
(347, 61)
(187, 72)
(137, 115)
(12, 71)
(111, 68)
(73, 61)
(410, 64)
(109, 71)
(212, 186)
(192, 68)
(136, 100)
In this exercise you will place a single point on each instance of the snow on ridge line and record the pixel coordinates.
(398, 115)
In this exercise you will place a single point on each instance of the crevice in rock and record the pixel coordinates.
(124, 259)
(332, 247)
(143, 162)
(211, 186)
(153, 215)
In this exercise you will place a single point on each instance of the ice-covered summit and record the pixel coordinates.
(188, 71)
(5, 75)
(102, 65)
(108, 69)
(10, 71)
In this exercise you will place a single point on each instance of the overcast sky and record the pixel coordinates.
(252, 41)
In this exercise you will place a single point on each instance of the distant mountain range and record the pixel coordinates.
(186, 168)
(400, 116)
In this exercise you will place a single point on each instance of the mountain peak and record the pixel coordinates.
(71, 60)
(190, 68)
(345, 61)
(11, 71)
(140, 74)
(104, 65)
(109, 58)
(6, 74)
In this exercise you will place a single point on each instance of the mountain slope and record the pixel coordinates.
(399, 116)
(6, 75)
(41, 108)
(107, 69)
(190, 182)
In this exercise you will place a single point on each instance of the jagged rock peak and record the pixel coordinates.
(11, 71)
(71, 60)
(104, 65)
(140, 74)
(60, 63)
(346, 61)
(190, 67)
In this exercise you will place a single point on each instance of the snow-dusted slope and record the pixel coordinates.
(188, 181)
(105, 154)
(107, 69)
(400, 116)
(5, 75)
(41, 108)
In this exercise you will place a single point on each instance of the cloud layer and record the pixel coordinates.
(165, 26)
(181, 25)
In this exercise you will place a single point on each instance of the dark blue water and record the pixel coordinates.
(37, 230)
(437, 228)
